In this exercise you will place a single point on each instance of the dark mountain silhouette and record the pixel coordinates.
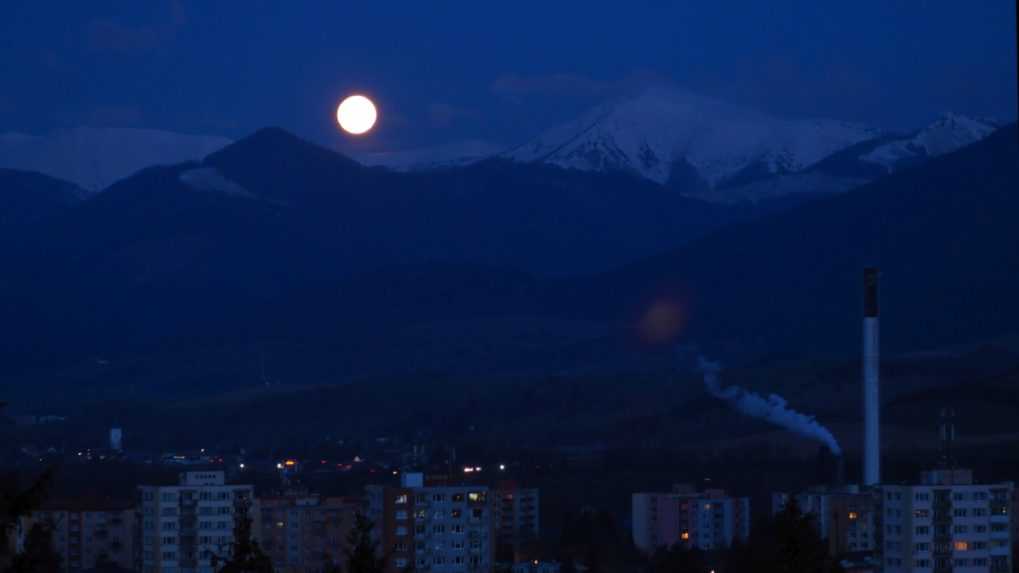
(26, 197)
(253, 234)
(181, 277)
(943, 235)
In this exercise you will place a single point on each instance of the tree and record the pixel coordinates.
(16, 503)
(246, 556)
(593, 540)
(106, 565)
(332, 568)
(786, 543)
(362, 548)
(677, 559)
(38, 555)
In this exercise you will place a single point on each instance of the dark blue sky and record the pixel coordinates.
(501, 71)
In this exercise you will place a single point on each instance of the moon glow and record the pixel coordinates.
(356, 114)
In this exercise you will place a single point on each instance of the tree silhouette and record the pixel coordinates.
(677, 559)
(16, 503)
(246, 556)
(786, 543)
(362, 548)
(106, 565)
(593, 540)
(38, 555)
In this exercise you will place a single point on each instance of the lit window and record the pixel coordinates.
(685, 536)
(853, 515)
(962, 546)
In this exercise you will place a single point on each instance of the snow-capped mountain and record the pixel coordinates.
(860, 163)
(661, 129)
(94, 158)
(945, 135)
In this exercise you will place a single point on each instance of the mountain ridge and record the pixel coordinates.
(916, 223)
(96, 157)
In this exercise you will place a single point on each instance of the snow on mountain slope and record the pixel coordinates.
(947, 134)
(648, 133)
(860, 163)
(94, 158)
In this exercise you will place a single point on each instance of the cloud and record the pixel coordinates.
(444, 114)
(516, 87)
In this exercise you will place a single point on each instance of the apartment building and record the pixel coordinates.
(517, 520)
(947, 523)
(705, 520)
(189, 527)
(845, 516)
(438, 528)
(88, 533)
(304, 532)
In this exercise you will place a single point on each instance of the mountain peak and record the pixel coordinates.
(276, 145)
(946, 134)
(273, 134)
(275, 164)
(650, 131)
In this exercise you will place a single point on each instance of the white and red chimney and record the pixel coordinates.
(871, 380)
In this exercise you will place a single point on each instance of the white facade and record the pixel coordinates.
(707, 520)
(945, 525)
(437, 528)
(186, 527)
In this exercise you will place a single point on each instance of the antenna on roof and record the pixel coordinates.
(946, 432)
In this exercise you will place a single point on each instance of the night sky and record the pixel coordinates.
(445, 72)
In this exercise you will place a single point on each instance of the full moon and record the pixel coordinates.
(356, 114)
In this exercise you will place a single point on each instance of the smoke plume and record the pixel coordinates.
(772, 409)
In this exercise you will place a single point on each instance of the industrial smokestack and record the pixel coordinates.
(871, 380)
